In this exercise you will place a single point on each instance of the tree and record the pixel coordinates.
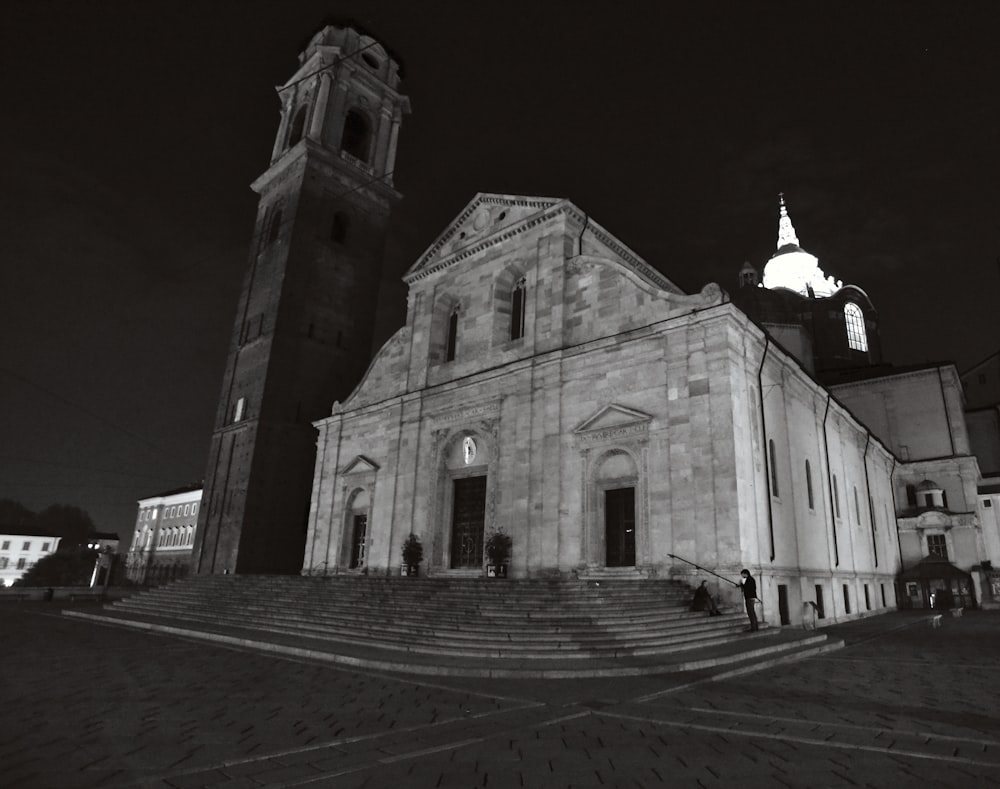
(14, 513)
(64, 520)
(72, 567)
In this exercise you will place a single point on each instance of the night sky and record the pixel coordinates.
(131, 132)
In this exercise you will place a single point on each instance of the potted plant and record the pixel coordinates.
(497, 554)
(413, 554)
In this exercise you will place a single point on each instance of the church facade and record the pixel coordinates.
(551, 385)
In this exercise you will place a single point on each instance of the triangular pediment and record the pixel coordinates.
(486, 215)
(360, 465)
(613, 416)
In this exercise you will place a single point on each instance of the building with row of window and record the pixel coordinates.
(165, 529)
(20, 550)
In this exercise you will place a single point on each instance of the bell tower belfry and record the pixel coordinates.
(303, 331)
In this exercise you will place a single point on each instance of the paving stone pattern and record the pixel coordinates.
(86, 705)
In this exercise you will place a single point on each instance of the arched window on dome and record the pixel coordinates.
(857, 337)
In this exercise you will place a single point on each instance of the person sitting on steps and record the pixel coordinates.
(703, 601)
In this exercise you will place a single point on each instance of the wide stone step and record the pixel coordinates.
(452, 630)
(608, 617)
(444, 619)
(567, 648)
(751, 652)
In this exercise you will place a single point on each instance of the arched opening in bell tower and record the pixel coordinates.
(297, 127)
(357, 134)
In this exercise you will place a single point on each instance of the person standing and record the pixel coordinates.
(749, 596)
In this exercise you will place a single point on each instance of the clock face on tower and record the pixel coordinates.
(468, 450)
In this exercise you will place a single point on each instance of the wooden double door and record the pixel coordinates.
(468, 522)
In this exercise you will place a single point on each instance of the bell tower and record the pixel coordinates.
(303, 330)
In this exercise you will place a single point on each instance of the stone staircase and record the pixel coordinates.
(463, 627)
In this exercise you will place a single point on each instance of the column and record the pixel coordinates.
(382, 141)
(319, 108)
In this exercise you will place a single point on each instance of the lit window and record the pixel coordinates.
(857, 338)
(936, 546)
(517, 310)
(239, 408)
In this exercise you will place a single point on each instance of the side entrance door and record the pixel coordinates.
(619, 523)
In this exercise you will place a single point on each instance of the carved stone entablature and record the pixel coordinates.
(472, 412)
(613, 424)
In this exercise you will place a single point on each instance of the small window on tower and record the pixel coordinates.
(239, 409)
(275, 227)
(338, 231)
(857, 338)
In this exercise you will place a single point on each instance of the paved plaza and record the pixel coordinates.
(87, 705)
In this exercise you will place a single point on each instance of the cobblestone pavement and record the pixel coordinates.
(85, 705)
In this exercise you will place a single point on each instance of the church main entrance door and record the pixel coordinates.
(468, 521)
(619, 527)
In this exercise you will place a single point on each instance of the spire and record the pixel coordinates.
(786, 233)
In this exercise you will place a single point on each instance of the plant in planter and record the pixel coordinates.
(497, 554)
(413, 554)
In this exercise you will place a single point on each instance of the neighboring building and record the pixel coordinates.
(982, 383)
(917, 412)
(303, 331)
(164, 536)
(982, 415)
(20, 549)
(103, 541)
(551, 384)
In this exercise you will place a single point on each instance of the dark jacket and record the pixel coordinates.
(750, 588)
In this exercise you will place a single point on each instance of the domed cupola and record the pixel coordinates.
(793, 268)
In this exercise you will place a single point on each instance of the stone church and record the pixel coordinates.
(552, 385)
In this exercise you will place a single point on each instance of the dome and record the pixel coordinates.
(792, 267)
